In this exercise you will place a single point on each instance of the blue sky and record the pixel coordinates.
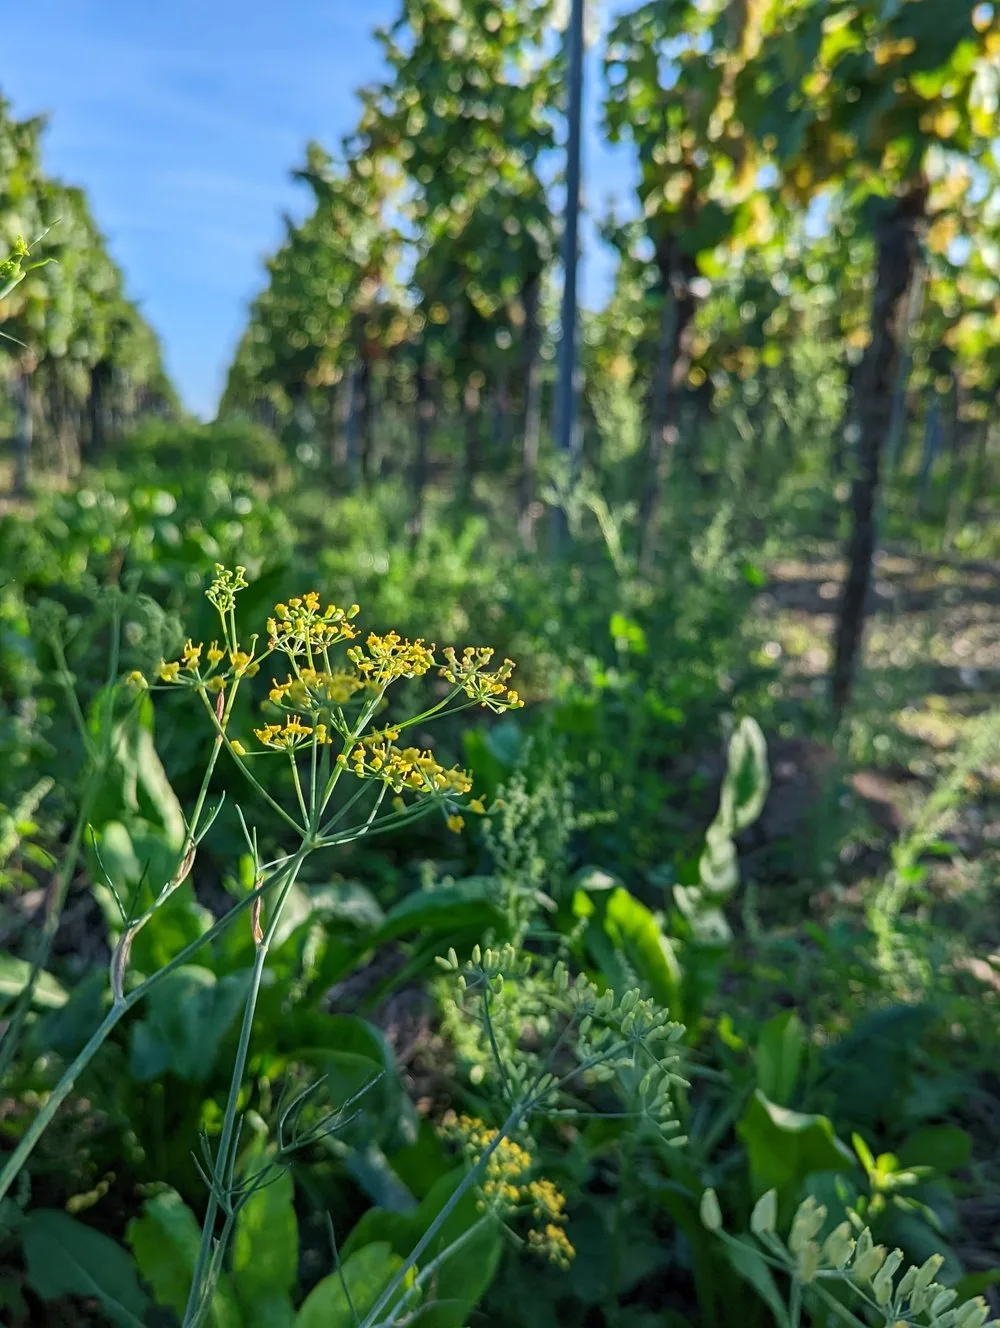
(182, 121)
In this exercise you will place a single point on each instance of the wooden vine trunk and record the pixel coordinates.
(897, 241)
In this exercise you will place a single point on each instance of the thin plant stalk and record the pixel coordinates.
(470, 1178)
(227, 1139)
(114, 1016)
(199, 1296)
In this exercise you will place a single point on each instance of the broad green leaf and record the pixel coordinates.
(448, 909)
(786, 1146)
(48, 993)
(974, 1284)
(944, 1147)
(369, 1166)
(633, 929)
(165, 1243)
(421, 1164)
(66, 1258)
(265, 1258)
(67, 1029)
(779, 1057)
(136, 784)
(187, 1017)
(157, 800)
(347, 901)
(270, 1309)
(366, 1274)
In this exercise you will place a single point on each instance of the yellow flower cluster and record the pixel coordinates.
(553, 1244)
(293, 733)
(505, 1190)
(301, 625)
(314, 687)
(386, 658)
(471, 672)
(191, 656)
(242, 664)
(404, 767)
(547, 1201)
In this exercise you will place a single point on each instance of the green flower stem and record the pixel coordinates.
(64, 1087)
(225, 1155)
(245, 771)
(795, 1303)
(313, 791)
(468, 1180)
(491, 1032)
(842, 1312)
(339, 815)
(391, 822)
(434, 710)
(350, 741)
(439, 1260)
(298, 785)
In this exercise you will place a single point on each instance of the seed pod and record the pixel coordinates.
(765, 1214)
(882, 1281)
(927, 1271)
(806, 1224)
(907, 1284)
(711, 1213)
(839, 1246)
(943, 1298)
(972, 1314)
(808, 1263)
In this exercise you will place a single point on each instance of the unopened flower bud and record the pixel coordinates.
(764, 1217)
(711, 1213)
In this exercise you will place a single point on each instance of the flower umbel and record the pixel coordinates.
(869, 1270)
(386, 658)
(406, 768)
(470, 672)
(293, 733)
(505, 1189)
(301, 626)
(313, 688)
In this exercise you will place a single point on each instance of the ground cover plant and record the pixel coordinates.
(349, 977)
